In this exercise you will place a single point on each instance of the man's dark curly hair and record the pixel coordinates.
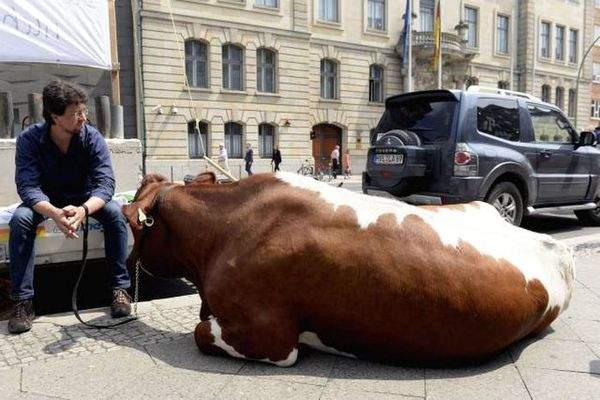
(58, 95)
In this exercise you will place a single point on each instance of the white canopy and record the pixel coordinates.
(72, 32)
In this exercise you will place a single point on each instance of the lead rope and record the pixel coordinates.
(76, 287)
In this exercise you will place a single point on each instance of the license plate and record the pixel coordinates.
(389, 158)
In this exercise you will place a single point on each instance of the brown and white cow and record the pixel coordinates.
(283, 259)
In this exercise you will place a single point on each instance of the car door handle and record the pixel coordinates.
(546, 153)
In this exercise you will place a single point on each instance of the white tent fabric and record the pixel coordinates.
(74, 32)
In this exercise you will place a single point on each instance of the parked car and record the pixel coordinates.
(507, 148)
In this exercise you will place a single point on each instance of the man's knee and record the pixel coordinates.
(22, 218)
(112, 213)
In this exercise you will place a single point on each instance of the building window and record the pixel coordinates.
(503, 85)
(265, 70)
(233, 67)
(196, 62)
(596, 72)
(197, 139)
(266, 140)
(471, 20)
(546, 93)
(233, 139)
(545, 40)
(267, 3)
(595, 109)
(328, 10)
(502, 34)
(376, 83)
(426, 15)
(571, 112)
(328, 79)
(560, 43)
(559, 97)
(573, 39)
(376, 14)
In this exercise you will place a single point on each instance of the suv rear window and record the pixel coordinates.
(498, 117)
(430, 118)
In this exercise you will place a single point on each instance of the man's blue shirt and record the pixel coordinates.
(43, 173)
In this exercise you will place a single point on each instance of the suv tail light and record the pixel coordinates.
(466, 162)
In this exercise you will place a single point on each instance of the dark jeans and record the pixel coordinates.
(276, 166)
(334, 167)
(23, 226)
(249, 167)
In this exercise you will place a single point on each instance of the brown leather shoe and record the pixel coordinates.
(121, 303)
(21, 317)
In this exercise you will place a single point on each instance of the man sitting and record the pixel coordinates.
(63, 171)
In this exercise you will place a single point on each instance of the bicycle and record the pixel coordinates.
(306, 169)
(323, 173)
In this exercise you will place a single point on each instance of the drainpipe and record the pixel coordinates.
(136, 8)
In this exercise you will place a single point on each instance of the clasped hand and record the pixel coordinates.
(68, 219)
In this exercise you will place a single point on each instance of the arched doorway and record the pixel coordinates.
(324, 138)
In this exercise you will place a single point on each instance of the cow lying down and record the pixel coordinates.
(283, 259)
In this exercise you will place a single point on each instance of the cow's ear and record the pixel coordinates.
(131, 212)
(205, 178)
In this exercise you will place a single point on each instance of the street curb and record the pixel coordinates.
(583, 245)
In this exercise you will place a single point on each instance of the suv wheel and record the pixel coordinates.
(589, 217)
(407, 138)
(507, 199)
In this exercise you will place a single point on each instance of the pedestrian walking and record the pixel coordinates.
(249, 158)
(276, 158)
(597, 134)
(347, 164)
(64, 172)
(335, 161)
(223, 159)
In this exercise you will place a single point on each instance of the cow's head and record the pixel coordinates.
(149, 230)
(153, 242)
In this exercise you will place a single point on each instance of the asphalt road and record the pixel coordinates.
(54, 284)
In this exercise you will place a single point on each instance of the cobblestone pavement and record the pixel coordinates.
(58, 337)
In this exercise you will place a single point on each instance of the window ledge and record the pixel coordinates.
(376, 103)
(376, 32)
(267, 10)
(267, 94)
(502, 55)
(545, 60)
(227, 91)
(329, 24)
(334, 101)
(232, 3)
(197, 89)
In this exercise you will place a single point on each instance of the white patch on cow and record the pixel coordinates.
(215, 330)
(311, 339)
(537, 256)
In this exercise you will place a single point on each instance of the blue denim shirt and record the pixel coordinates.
(43, 173)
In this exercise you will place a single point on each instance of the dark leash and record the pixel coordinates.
(134, 317)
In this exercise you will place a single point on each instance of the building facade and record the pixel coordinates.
(305, 75)
(595, 92)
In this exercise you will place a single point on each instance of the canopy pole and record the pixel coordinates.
(114, 72)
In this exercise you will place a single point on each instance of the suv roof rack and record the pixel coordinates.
(504, 92)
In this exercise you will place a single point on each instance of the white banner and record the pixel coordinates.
(72, 32)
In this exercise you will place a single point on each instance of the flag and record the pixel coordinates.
(437, 35)
(406, 32)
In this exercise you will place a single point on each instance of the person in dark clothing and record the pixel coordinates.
(276, 158)
(63, 172)
(249, 158)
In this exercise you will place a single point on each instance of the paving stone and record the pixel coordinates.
(555, 354)
(174, 383)
(244, 387)
(546, 384)
(560, 329)
(10, 381)
(184, 354)
(312, 368)
(584, 305)
(587, 330)
(496, 379)
(335, 393)
(362, 376)
(86, 377)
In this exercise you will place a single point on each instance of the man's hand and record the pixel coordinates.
(75, 216)
(61, 218)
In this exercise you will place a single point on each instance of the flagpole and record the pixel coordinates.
(439, 10)
(409, 33)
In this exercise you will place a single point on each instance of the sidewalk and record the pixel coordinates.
(156, 357)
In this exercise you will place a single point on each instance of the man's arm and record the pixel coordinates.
(27, 173)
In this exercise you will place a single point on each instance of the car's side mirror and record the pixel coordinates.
(586, 138)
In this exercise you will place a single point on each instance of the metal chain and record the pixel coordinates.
(136, 291)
